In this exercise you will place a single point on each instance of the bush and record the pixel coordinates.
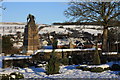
(115, 67)
(53, 65)
(4, 77)
(97, 69)
(83, 68)
(107, 68)
(16, 75)
(64, 61)
(86, 69)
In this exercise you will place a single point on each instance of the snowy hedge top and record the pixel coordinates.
(63, 50)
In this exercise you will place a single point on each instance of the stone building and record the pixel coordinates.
(31, 38)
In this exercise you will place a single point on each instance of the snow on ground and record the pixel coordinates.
(68, 72)
(1, 61)
(71, 72)
(65, 72)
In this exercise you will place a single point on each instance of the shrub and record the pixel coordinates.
(97, 69)
(64, 61)
(53, 64)
(107, 68)
(83, 68)
(16, 75)
(4, 77)
(86, 69)
(115, 67)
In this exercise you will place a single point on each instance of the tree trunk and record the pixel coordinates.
(105, 39)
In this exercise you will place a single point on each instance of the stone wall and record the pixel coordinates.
(81, 56)
(78, 57)
(16, 62)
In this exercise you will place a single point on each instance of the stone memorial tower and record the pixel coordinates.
(31, 38)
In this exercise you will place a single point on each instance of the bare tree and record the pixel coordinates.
(1, 5)
(101, 12)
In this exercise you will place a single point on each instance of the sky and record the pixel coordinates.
(44, 12)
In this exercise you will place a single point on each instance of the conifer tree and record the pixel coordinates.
(53, 64)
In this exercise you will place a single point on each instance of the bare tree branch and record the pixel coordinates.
(102, 12)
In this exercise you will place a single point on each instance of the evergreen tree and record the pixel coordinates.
(53, 64)
(7, 46)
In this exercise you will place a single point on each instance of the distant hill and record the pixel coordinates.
(112, 23)
(17, 23)
(13, 23)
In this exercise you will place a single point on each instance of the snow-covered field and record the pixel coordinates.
(87, 28)
(12, 29)
(93, 31)
(52, 29)
(65, 72)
